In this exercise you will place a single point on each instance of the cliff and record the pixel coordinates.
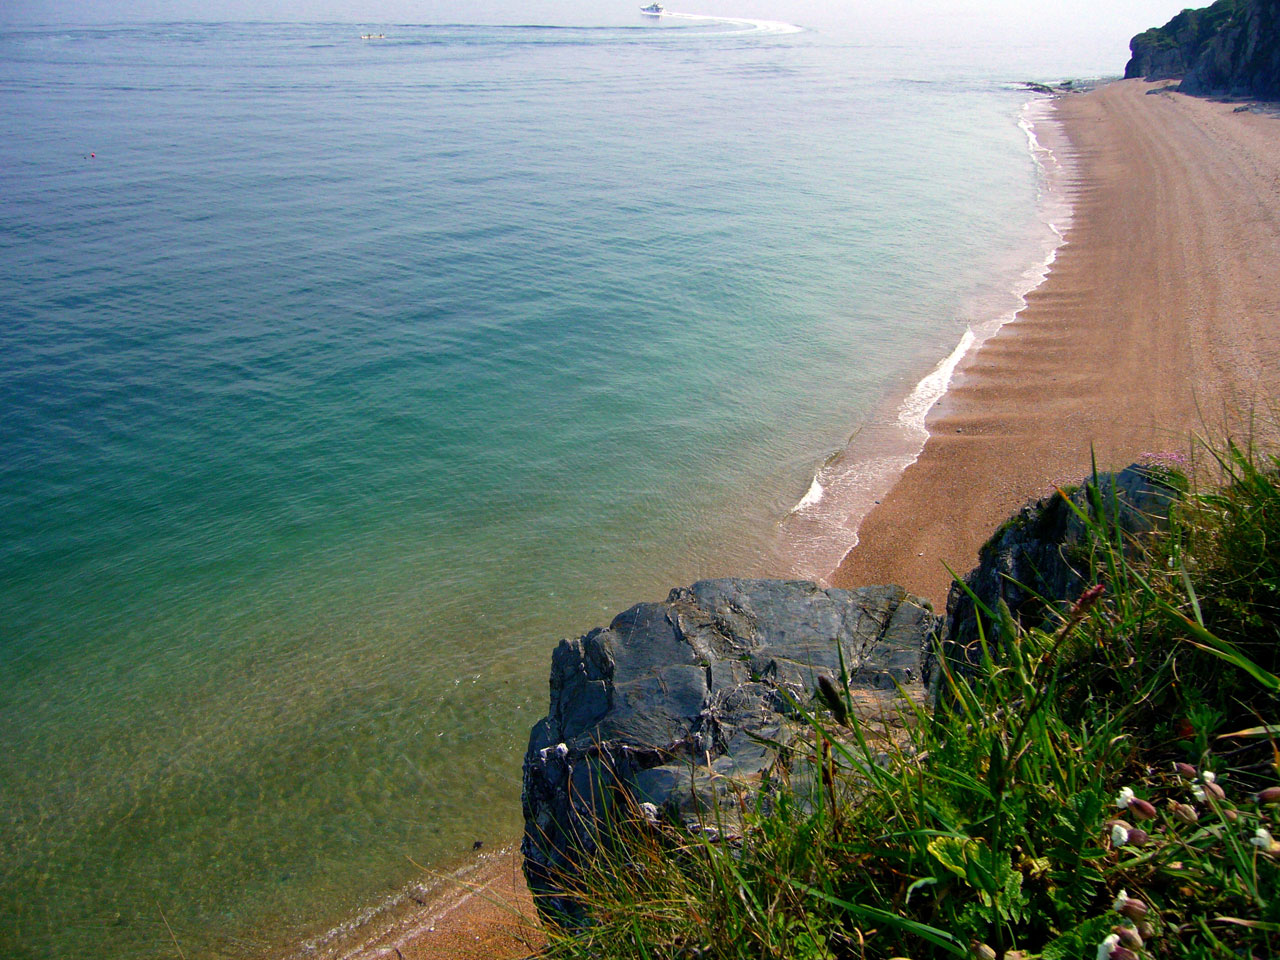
(1231, 47)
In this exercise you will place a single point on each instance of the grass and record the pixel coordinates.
(1104, 786)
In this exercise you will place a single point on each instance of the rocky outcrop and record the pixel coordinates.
(679, 709)
(677, 706)
(1231, 48)
(1035, 565)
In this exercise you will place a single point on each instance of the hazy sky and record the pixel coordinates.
(1096, 31)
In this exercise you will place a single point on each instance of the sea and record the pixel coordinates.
(340, 378)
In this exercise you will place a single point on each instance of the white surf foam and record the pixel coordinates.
(823, 525)
(751, 26)
(812, 497)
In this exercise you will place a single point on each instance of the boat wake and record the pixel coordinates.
(747, 26)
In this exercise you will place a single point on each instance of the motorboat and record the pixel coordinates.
(373, 36)
(654, 9)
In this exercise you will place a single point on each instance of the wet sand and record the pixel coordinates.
(1160, 315)
(485, 912)
(1159, 318)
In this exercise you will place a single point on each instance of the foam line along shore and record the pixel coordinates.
(823, 526)
(1156, 320)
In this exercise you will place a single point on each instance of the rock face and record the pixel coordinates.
(677, 708)
(1033, 563)
(1231, 47)
(678, 704)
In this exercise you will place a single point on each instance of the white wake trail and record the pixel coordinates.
(754, 26)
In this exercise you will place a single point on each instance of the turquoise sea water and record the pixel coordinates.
(341, 378)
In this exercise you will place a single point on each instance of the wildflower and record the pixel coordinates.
(1111, 949)
(1184, 812)
(1138, 837)
(1186, 770)
(1087, 600)
(1269, 795)
(1129, 937)
(1263, 840)
(982, 951)
(1211, 789)
(1126, 800)
(1119, 834)
(1208, 787)
(1141, 809)
(1127, 906)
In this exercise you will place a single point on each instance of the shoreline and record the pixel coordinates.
(480, 910)
(1150, 324)
(823, 526)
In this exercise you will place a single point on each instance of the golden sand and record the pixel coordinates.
(1160, 317)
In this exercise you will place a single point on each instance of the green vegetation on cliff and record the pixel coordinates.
(1102, 785)
(1190, 29)
(1231, 47)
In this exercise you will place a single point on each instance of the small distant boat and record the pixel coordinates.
(654, 10)
(373, 36)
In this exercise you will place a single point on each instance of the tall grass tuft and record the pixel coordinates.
(1104, 786)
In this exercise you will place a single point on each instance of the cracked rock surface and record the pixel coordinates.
(685, 703)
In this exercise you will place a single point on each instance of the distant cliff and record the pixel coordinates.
(1231, 47)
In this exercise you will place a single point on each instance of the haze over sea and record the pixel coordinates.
(341, 378)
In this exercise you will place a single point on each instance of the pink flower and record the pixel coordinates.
(1184, 812)
(1142, 809)
(1127, 906)
(1126, 800)
(1129, 937)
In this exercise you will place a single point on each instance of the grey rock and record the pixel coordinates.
(681, 708)
(1231, 47)
(1036, 564)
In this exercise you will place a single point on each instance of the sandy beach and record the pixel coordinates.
(1157, 320)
